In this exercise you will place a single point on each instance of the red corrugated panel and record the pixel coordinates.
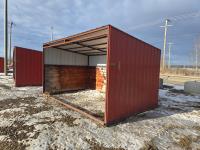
(1, 64)
(27, 67)
(132, 74)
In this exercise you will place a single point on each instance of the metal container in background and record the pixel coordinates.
(192, 87)
(1, 64)
(27, 67)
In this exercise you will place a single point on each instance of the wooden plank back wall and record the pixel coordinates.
(59, 78)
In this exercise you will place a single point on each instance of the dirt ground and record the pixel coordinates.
(30, 120)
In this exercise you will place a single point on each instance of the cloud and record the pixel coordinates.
(140, 18)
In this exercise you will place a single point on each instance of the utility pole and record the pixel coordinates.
(165, 40)
(51, 33)
(169, 55)
(10, 56)
(196, 54)
(5, 36)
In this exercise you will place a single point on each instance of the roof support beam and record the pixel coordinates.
(88, 50)
(84, 45)
(97, 54)
(70, 51)
(85, 54)
(75, 47)
(90, 45)
(105, 43)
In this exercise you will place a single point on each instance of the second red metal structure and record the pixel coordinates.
(1, 64)
(27, 67)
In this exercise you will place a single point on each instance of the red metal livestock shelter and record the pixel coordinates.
(133, 86)
(1, 64)
(132, 70)
(27, 67)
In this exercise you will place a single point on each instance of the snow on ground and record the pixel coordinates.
(31, 120)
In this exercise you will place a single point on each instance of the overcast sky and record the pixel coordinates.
(140, 18)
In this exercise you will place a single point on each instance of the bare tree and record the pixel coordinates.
(196, 54)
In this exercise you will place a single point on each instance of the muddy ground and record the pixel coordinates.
(30, 120)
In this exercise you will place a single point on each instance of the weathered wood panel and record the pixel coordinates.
(64, 78)
(67, 78)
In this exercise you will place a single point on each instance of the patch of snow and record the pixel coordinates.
(178, 97)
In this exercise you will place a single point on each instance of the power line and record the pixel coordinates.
(185, 35)
(173, 18)
(185, 16)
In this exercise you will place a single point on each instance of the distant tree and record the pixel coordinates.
(196, 53)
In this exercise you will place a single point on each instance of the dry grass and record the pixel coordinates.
(181, 71)
(15, 134)
(94, 145)
(12, 145)
(65, 119)
(185, 142)
(149, 146)
(15, 103)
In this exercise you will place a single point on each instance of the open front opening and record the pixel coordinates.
(75, 71)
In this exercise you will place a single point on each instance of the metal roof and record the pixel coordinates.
(90, 43)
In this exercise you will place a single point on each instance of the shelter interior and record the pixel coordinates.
(75, 70)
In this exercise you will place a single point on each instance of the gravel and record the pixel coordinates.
(33, 121)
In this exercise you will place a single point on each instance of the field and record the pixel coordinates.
(179, 75)
(31, 120)
(178, 79)
(181, 71)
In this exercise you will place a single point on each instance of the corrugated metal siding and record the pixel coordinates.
(55, 56)
(27, 67)
(97, 60)
(133, 76)
(1, 64)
